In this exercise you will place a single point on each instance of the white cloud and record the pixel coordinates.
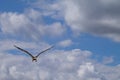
(109, 72)
(56, 29)
(87, 72)
(11, 22)
(76, 64)
(29, 25)
(61, 65)
(65, 43)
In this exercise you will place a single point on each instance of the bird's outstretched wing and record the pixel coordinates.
(24, 51)
(44, 51)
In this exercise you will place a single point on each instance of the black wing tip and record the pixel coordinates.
(52, 46)
(14, 45)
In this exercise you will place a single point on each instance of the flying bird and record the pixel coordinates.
(34, 58)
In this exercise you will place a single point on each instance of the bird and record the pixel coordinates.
(34, 58)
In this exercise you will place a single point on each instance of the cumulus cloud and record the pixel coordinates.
(87, 72)
(55, 29)
(29, 24)
(99, 19)
(56, 64)
(109, 72)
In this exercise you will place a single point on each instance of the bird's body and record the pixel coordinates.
(34, 58)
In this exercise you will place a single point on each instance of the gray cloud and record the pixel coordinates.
(96, 17)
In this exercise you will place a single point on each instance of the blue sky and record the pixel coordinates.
(88, 32)
(12, 5)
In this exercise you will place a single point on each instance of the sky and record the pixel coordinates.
(85, 35)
